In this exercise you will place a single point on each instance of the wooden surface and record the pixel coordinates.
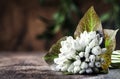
(32, 66)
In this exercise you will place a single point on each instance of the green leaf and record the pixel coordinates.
(110, 43)
(89, 22)
(110, 40)
(54, 51)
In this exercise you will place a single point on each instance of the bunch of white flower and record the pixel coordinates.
(80, 55)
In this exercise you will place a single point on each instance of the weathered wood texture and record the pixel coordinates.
(32, 66)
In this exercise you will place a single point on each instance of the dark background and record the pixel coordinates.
(34, 25)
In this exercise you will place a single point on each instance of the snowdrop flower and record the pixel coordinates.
(96, 50)
(97, 64)
(77, 57)
(77, 46)
(86, 59)
(70, 56)
(91, 64)
(93, 43)
(82, 43)
(81, 54)
(85, 38)
(92, 58)
(77, 63)
(87, 51)
(84, 65)
(92, 35)
(69, 39)
(65, 67)
(70, 68)
(56, 60)
(76, 69)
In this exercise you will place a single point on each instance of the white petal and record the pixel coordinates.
(77, 57)
(81, 54)
(70, 68)
(87, 59)
(77, 63)
(76, 69)
(96, 50)
(93, 43)
(65, 67)
(87, 51)
(91, 64)
(56, 60)
(76, 45)
(84, 65)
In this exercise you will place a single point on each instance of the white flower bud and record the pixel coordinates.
(76, 69)
(76, 45)
(84, 65)
(70, 68)
(91, 64)
(96, 50)
(56, 60)
(70, 56)
(89, 70)
(92, 35)
(93, 43)
(77, 57)
(92, 58)
(62, 43)
(87, 59)
(87, 51)
(81, 54)
(97, 64)
(77, 63)
(69, 39)
(64, 67)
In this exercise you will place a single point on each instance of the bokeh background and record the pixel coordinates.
(34, 25)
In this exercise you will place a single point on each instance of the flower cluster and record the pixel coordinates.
(80, 55)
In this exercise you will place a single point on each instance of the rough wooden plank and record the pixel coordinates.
(32, 66)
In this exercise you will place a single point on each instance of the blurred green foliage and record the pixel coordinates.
(64, 19)
(111, 19)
